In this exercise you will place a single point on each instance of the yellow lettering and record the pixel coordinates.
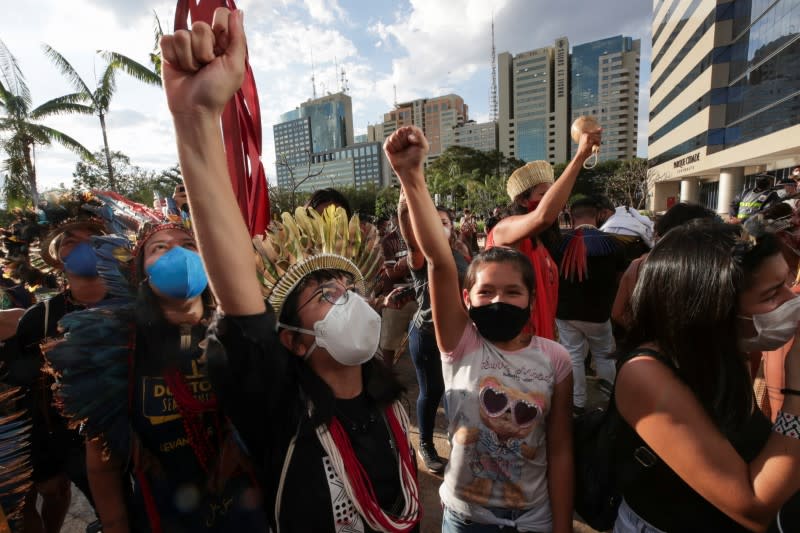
(159, 391)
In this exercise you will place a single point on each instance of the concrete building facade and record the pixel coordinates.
(481, 136)
(724, 98)
(533, 103)
(605, 84)
(437, 117)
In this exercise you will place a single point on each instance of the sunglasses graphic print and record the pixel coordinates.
(495, 403)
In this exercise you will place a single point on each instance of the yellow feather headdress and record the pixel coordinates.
(307, 242)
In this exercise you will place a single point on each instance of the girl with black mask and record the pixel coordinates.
(508, 395)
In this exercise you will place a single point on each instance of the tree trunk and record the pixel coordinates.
(111, 183)
(30, 172)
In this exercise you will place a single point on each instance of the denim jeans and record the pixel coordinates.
(428, 364)
(576, 336)
(630, 522)
(453, 522)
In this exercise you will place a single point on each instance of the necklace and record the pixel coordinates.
(357, 485)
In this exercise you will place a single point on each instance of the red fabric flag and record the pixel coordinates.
(241, 128)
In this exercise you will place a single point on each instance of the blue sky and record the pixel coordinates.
(425, 48)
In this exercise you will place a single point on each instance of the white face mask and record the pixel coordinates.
(350, 332)
(446, 232)
(775, 328)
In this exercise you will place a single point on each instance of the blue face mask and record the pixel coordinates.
(178, 274)
(81, 261)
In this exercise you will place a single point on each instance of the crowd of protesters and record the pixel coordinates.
(187, 377)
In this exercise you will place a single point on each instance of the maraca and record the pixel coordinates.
(582, 125)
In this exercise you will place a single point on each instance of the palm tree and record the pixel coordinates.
(97, 101)
(150, 76)
(20, 130)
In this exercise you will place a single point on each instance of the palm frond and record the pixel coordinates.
(106, 89)
(63, 139)
(67, 70)
(13, 80)
(131, 67)
(62, 105)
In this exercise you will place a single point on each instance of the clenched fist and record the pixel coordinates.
(203, 68)
(406, 149)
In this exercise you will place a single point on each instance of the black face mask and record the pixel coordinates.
(499, 322)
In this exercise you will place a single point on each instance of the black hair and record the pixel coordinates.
(329, 195)
(686, 301)
(763, 181)
(584, 207)
(604, 202)
(680, 214)
(501, 254)
(443, 209)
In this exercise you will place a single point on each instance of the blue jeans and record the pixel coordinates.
(428, 364)
(453, 522)
(630, 522)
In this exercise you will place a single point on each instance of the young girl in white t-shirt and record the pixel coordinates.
(509, 397)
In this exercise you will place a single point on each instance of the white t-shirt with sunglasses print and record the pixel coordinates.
(497, 405)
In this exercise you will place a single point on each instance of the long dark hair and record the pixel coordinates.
(380, 383)
(686, 302)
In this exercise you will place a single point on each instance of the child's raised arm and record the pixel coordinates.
(406, 149)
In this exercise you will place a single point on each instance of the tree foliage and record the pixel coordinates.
(131, 181)
(21, 129)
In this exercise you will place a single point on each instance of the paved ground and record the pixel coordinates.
(81, 514)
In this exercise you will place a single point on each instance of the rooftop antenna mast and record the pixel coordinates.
(313, 77)
(395, 95)
(493, 90)
(345, 82)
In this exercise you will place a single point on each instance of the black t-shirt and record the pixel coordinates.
(590, 299)
(423, 318)
(179, 483)
(261, 389)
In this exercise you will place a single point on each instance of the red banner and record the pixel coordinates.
(241, 127)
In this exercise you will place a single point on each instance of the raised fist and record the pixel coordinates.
(406, 149)
(203, 68)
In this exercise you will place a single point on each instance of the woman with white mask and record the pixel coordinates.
(318, 414)
(707, 294)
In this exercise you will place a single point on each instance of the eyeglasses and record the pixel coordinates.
(333, 292)
(496, 403)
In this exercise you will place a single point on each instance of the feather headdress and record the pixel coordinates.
(307, 242)
(15, 453)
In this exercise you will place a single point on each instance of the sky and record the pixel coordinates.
(418, 48)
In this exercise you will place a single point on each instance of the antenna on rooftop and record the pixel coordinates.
(395, 95)
(345, 83)
(313, 77)
(493, 90)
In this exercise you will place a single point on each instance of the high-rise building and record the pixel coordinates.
(605, 84)
(481, 136)
(724, 98)
(435, 116)
(358, 165)
(533, 112)
(311, 138)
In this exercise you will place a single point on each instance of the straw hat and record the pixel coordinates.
(529, 176)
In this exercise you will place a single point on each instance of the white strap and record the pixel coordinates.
(46, 315)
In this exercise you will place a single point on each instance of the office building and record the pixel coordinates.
(604, 82)
(724, 98)
(436, 117)
(356, 166)
(481, 136)
(533, 103)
